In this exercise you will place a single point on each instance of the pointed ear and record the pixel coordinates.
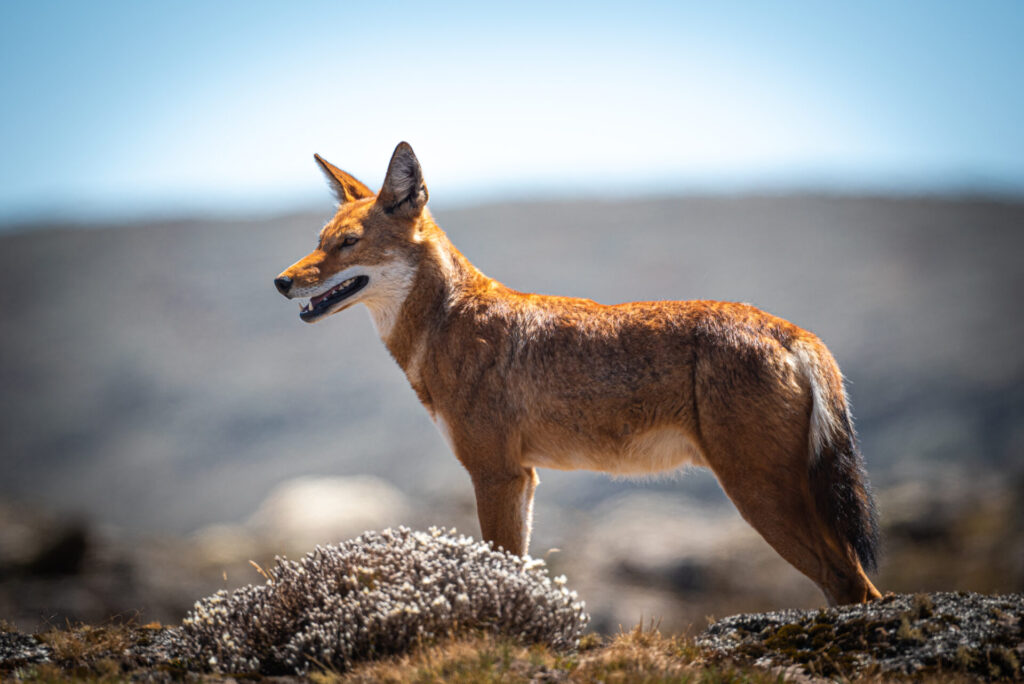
(404, 192)
(345, 187)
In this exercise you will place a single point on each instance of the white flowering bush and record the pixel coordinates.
(377, 595)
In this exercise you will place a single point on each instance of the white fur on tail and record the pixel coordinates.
(823, 422)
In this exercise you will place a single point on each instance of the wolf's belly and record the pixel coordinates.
(654, 451)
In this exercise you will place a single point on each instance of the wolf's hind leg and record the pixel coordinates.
(773, 495)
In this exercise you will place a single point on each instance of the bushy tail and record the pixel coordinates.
(839, 482)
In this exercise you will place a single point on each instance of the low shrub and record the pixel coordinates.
(378, 595)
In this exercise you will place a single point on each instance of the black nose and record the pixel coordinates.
(284, 283)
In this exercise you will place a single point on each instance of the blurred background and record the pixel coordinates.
(165, 417)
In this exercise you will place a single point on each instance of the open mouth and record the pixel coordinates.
(321, 304)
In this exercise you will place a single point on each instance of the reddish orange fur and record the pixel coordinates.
(518, 381)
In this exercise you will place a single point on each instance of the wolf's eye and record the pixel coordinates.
(348, 242)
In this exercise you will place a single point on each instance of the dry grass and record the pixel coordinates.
(639, 655)
(105, 672)
(85, 644)
(86, 653)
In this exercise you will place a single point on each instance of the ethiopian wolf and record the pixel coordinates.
(518, 381)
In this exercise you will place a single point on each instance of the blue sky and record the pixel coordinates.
(181, 107)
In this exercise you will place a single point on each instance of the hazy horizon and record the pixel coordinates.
(137, 215)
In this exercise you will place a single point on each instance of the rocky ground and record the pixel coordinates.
(900, 634)
(933, 637)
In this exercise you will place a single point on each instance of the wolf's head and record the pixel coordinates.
(369, 250)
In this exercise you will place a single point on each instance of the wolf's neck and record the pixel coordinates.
(429, 291)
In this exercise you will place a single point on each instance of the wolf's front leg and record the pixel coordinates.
(504, 505)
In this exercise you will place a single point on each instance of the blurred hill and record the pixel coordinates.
(154, 383)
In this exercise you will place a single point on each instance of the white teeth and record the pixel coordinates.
(308, 306)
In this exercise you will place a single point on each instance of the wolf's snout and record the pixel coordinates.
(283, 284)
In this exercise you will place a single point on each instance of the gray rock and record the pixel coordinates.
(899, 634)
(18, 650)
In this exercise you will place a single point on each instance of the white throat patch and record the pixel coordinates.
(388, 289)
